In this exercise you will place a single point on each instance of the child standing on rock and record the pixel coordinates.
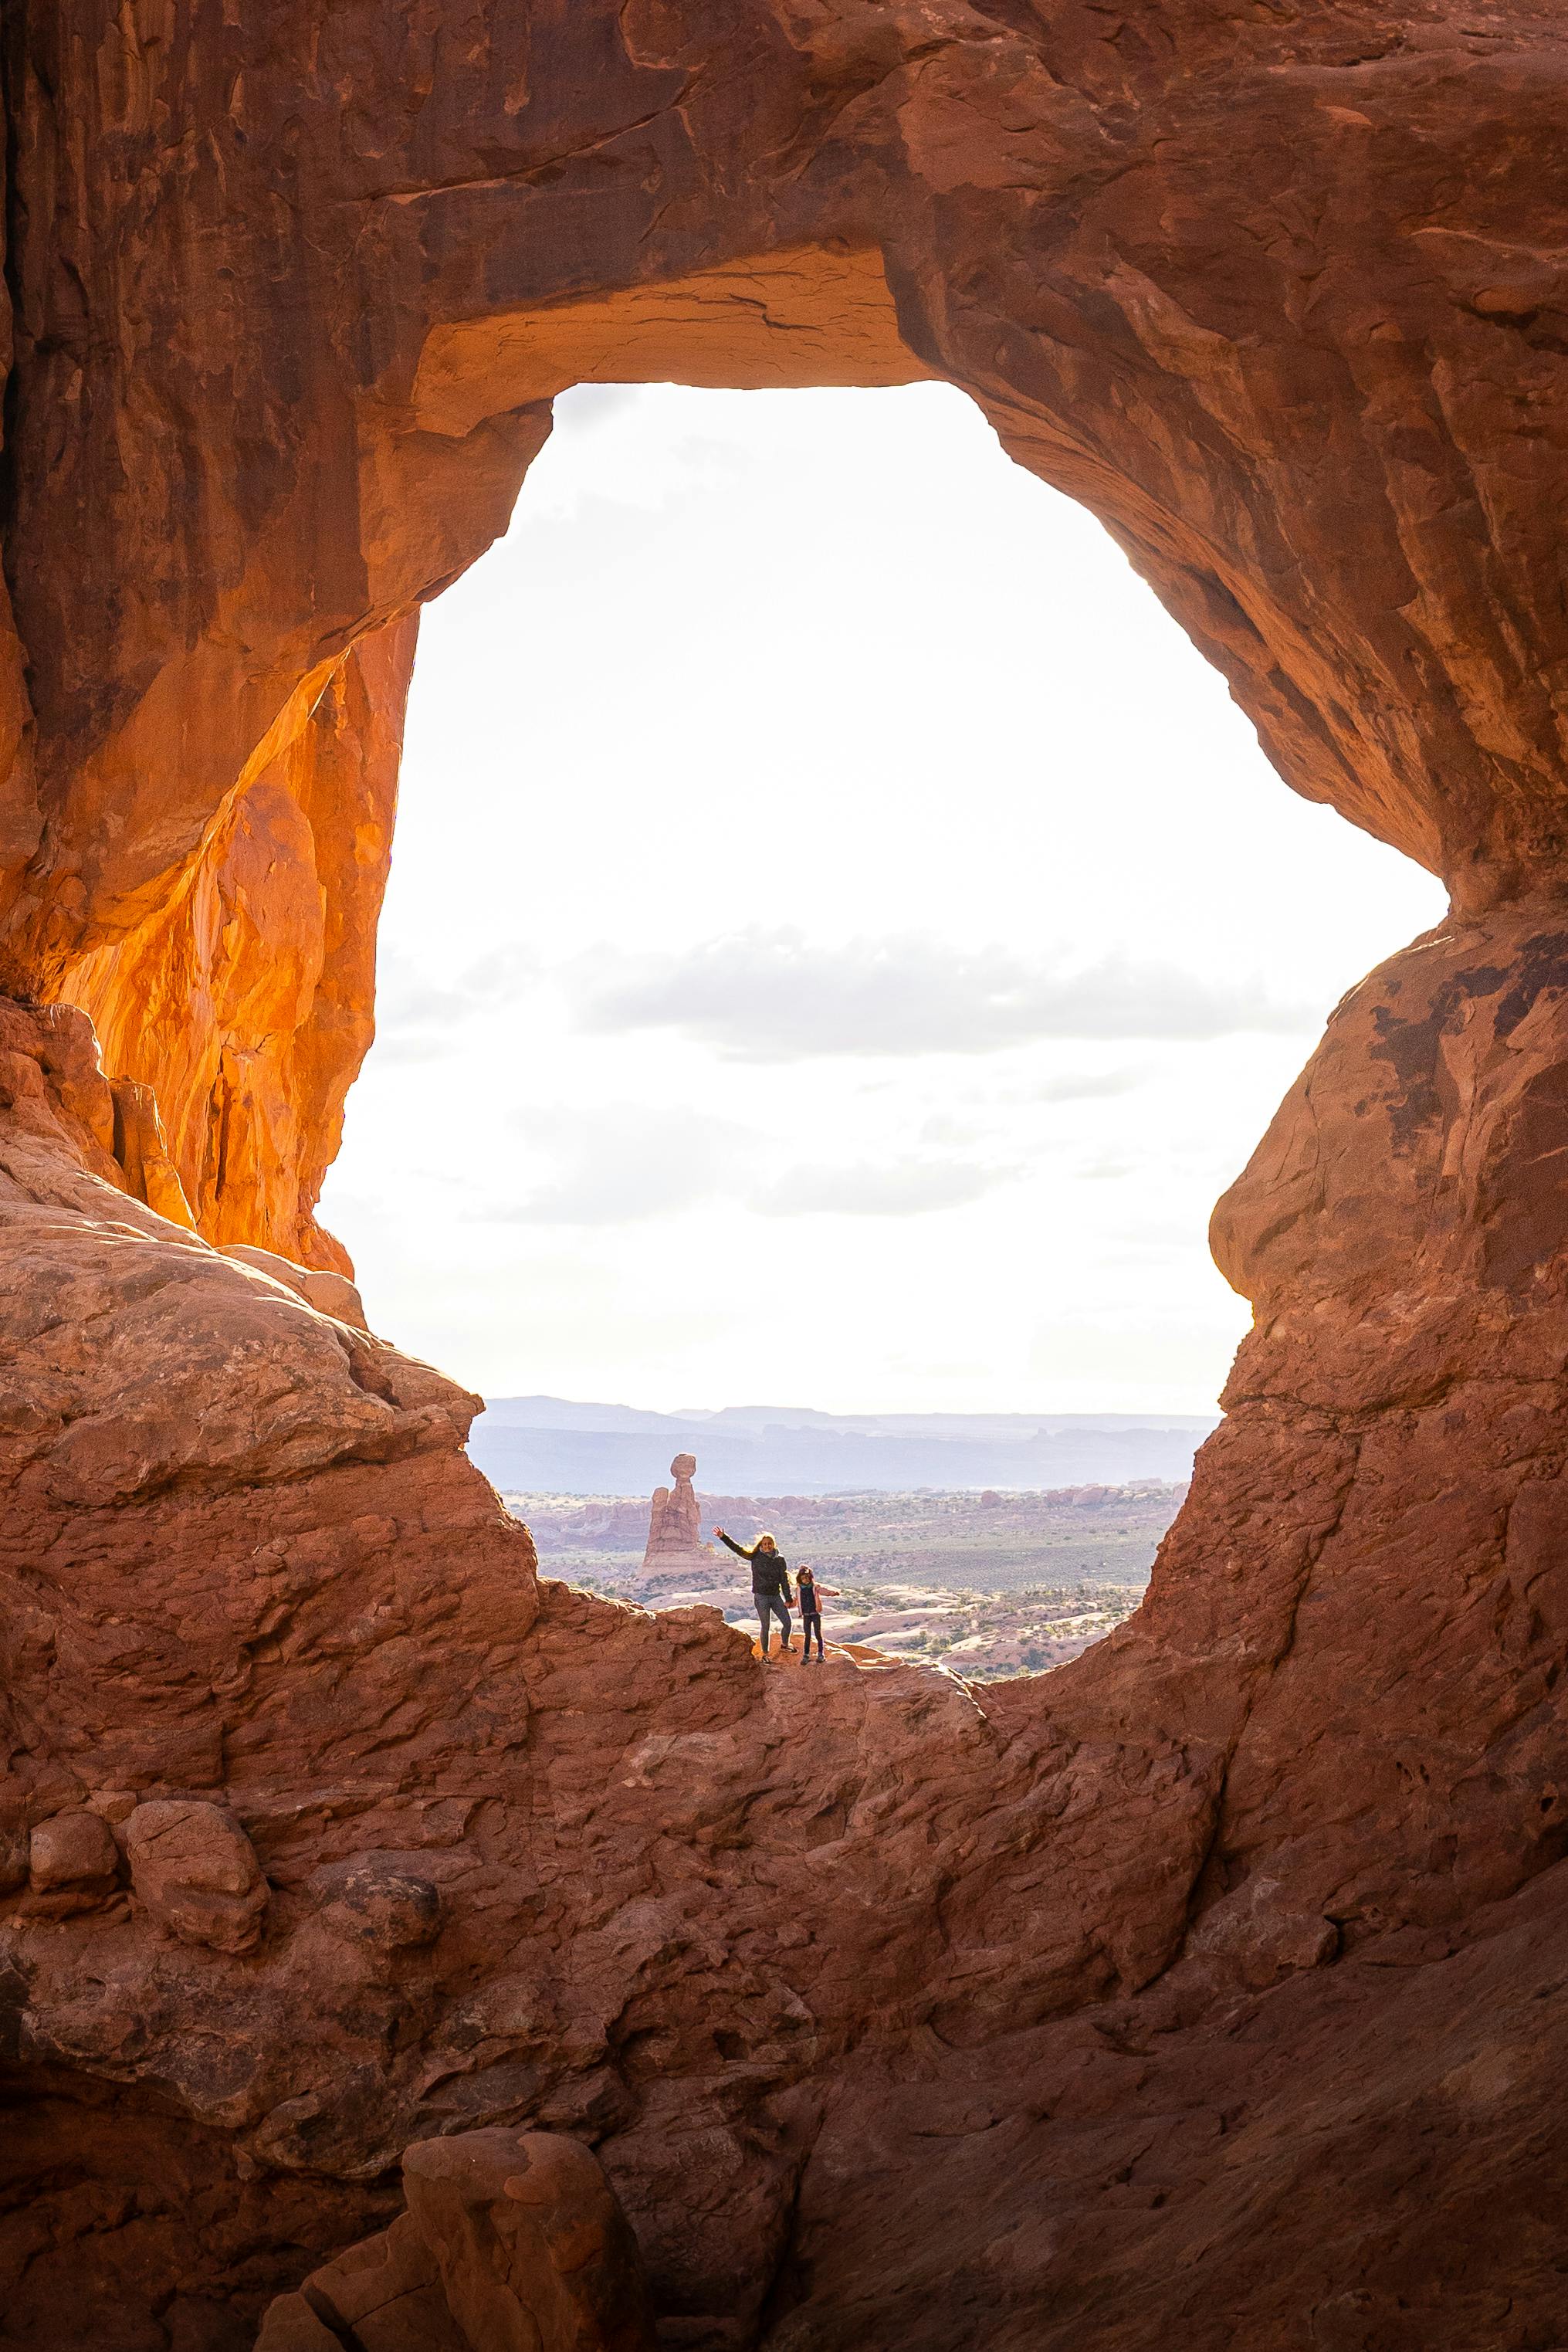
(812, 1597)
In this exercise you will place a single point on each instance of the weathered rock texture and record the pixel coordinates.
(509, 2239)
(1195, 1993)
(246, 996)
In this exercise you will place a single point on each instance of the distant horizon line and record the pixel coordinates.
(1208, 1418)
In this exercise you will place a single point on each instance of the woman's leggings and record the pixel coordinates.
(811, 1623)
(768, 1606)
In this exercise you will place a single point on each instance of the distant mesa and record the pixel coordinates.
(547, 1445)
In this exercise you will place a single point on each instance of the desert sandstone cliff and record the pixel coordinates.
(1200, 1992)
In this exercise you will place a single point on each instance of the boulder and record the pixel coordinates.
(329, 1293)
(380, 1901)
(513, 2242)
(73, 1851)
(384, 2294)
(195, 1871)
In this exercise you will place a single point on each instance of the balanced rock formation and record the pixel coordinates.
(674, 1522)
(675, 1554)
(1197, 1992)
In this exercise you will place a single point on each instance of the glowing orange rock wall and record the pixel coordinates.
(247, 1001)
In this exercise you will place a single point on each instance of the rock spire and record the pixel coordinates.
(675, 1551)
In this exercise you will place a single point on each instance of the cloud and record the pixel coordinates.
(944, 1127)
(1091, 1086)
(899, 1189)
(772, 996)
(617, 1165)
(620, 1165)
(587, 407)
(637, 471)
(398, 1045)
(497, 973)
(417, 1017)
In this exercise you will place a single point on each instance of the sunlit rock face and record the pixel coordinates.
(1192, 1993)
(247, 991)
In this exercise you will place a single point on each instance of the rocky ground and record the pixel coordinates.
(984, 1636)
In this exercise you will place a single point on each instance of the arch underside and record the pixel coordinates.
(235, 978)
(1241, 314)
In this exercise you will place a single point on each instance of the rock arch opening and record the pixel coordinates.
(235, 977)
(808, 821)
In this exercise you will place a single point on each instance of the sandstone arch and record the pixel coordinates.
(1277, 290)
(1273, 317)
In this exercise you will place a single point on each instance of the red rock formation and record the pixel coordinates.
(1193, 1993)
(244, 1000)
(331, 1294)
(675, 1555)
(194, 1872)
(511, 2238)
(674, 1522)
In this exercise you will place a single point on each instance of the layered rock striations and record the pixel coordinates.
(1201, 1991)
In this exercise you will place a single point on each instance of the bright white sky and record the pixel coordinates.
(841, 936)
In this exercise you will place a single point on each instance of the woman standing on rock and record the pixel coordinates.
(769, 1583)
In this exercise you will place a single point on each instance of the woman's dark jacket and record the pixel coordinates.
(769, 1569)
